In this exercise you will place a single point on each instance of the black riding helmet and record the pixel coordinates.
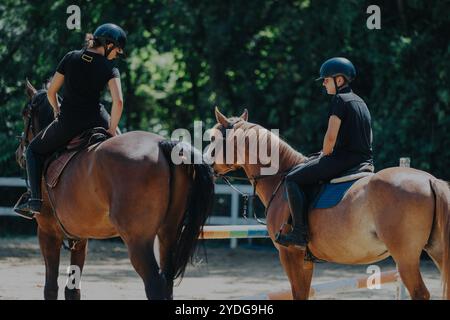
(110, 33)
(337, 67)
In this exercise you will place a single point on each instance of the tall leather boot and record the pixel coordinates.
(34, 171)
(297, 204)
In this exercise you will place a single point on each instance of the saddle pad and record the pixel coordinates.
(56, 167)
(331, 194)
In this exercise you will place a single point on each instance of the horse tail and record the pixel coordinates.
(198, 208)
(442, 213)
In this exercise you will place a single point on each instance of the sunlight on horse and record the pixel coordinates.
(396, 212)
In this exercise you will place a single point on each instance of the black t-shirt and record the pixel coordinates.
(355, 132)
(85, 76)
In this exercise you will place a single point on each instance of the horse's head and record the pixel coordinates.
(37, 114)
(225, 138)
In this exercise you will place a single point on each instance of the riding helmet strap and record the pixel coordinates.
(104, 43)
(108, 51)
(335, 85)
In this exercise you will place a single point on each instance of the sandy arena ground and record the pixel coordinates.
(229, 274)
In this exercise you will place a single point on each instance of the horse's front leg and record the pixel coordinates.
(298, 271)
(77, 258)
(50, 244)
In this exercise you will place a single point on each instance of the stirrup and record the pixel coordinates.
(283, 239)
(24, 214)
(27, 207)
(22, 200)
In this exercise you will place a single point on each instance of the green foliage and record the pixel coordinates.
(185, 57)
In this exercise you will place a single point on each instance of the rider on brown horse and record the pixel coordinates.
(348, 142)
(84, 74)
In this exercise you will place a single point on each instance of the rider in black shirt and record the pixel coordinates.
(347, 143)
(89, 73)
(355, 133)
(84, 73)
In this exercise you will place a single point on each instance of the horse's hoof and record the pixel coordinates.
(51, 294)
(72, 294)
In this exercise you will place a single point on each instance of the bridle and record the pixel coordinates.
(31, 112)
(32, 115)
(247, 197)
(29, 124)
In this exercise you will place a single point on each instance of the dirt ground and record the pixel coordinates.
(229, 274)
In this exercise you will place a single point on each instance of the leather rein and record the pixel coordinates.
(247, 197)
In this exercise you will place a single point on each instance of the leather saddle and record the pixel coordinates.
(361, 170)
(55, 164)
(327, 194)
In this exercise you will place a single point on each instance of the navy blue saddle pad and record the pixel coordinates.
(331, 194)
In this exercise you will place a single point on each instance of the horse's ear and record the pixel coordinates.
(244, 115)
(31, 91)
(221, 118)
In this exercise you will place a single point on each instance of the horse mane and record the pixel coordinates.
(288, 156)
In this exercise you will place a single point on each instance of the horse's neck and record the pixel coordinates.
(288, 158)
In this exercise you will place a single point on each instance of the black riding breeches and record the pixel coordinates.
(325, 168)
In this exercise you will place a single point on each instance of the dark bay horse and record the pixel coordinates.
(127, 186)
(396, 212)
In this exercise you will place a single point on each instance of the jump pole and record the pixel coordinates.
(234, 232)
(259, 231)
(331, 287)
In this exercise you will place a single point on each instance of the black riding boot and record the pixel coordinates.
(297, 204)
(34, 201)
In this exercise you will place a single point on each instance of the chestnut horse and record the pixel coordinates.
(126, 186)
(396, 212)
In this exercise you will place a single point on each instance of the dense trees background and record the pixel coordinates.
(185, 57)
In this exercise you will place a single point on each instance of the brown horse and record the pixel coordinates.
(126, 186)
(397, 212)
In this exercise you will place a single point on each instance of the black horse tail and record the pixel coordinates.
(199, 205)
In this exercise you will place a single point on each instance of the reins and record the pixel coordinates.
(246, 196)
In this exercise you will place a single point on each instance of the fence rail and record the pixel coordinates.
(13, 183)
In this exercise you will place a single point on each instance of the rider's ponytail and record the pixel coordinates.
(90, 41)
